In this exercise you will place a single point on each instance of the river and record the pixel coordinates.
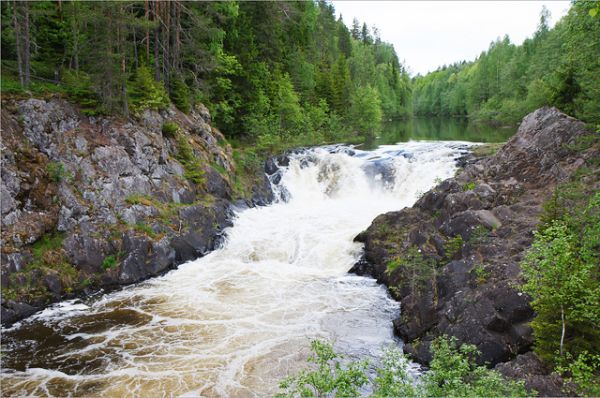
(236, 321)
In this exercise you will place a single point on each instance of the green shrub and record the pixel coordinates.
(583, 373)
(469, 186)
(453, 373)
(479, 235)
(56, 172)
(561, 273)
(170, 128)
(180, 93)
(144, 228)
(109, 262)
(193, 170)
(481, 274)
(453, 246)
(80, 89)
(47, 243)
(146, 93)
(327, 378)
(419, 270)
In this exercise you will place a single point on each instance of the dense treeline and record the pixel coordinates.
(558, 66)
(267, 70)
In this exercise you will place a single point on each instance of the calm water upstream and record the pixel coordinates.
(236, 321)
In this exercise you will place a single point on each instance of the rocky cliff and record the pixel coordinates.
(98, 202)
(453, 259)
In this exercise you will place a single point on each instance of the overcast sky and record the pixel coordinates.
(429, 34)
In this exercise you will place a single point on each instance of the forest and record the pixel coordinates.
(558, 66)
(268, 71)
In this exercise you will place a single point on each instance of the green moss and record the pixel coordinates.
(392, 265)
(140, 199)
(453, 246)
(469, 186)
(481, 274)
(487, 149)
(46, 244)
(144, 228)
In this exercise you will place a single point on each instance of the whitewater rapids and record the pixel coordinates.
(236, 321)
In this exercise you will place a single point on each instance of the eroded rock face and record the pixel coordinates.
(91, 203)
(472, 232)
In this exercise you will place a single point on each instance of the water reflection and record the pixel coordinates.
(438, 129)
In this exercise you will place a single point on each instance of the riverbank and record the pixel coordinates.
(452, 260)
(94, 203)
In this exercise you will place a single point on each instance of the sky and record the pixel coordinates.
(429, 34)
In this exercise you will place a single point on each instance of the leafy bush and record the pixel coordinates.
(170, 128)
(582, 372)
(453, 246)
(481, 274)
(561, 273)
(328, 378)
(109, 262)
(453, 373)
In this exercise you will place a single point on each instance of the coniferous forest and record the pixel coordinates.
(266, 70)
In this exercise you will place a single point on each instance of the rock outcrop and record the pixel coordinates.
(98, 202)
(452, 260)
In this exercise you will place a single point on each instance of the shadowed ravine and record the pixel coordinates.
(237, 320)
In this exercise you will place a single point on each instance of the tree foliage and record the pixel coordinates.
(562, 275)
(264, 69)
(453, 373)
(558, 66)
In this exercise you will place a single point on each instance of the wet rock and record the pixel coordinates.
(216, 184)
(53, 283)
(86, 253)
(12, 311)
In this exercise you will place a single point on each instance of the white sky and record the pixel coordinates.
(429, 34)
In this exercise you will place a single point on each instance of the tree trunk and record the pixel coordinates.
(166, 42)
(121, 34)
(156, 41)
(147, 17)
(562, 335)
(75, 35)
(26, 45)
